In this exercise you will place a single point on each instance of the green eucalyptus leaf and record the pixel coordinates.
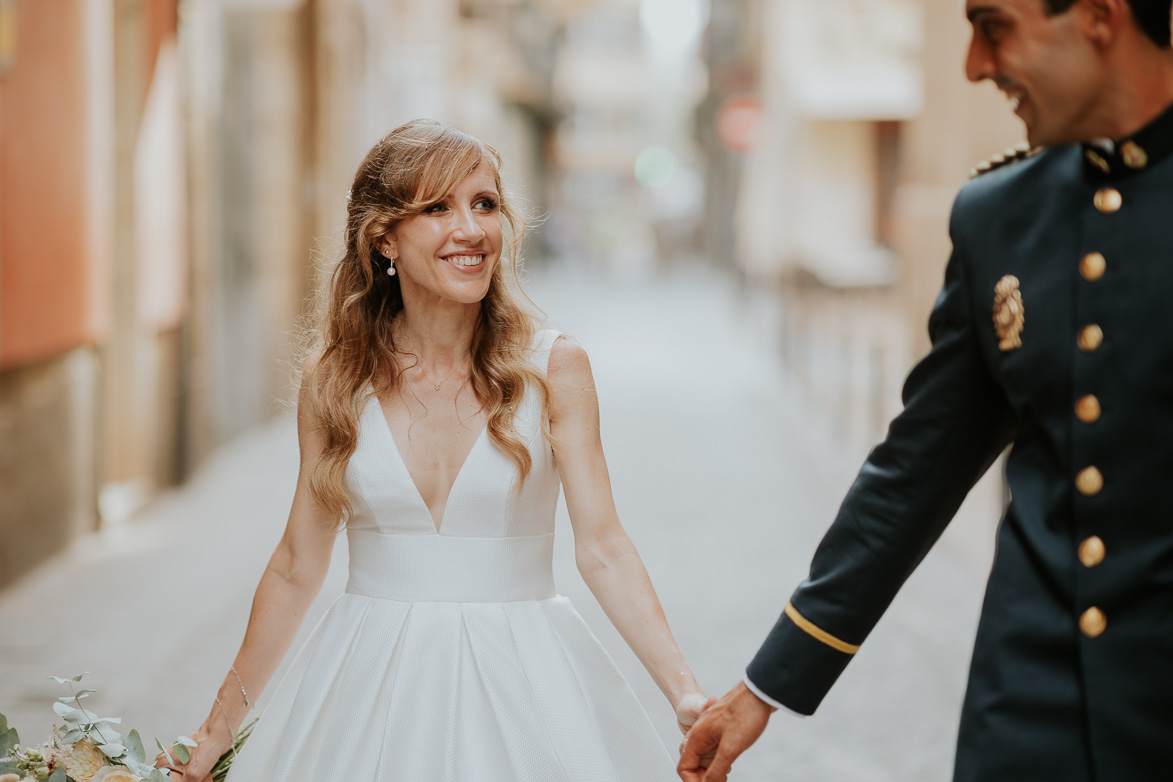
(108, 735)
(58, 776)
(182, 752)
(112, 751)
(111, 720)
(166, 754)
(157, 776)
(134, 747)
(8, 741)
(8, 737)
(185, 741)
(60, 680)
(73, 736)
(79, 676)
(84, 693)
(77, 715)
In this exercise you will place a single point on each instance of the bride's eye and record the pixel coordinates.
(486, 204)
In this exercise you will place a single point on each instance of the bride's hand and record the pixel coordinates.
(203, 757)
(689, 708)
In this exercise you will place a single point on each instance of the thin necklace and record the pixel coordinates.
(436, 386)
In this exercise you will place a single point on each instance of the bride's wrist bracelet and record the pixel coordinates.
(243, 694)
(231, 732)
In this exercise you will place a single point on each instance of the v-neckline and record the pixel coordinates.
(436, 526)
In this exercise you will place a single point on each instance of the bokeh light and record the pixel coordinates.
(655, 167)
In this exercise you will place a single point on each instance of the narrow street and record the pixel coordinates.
(722, 478)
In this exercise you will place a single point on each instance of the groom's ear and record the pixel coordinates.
(1103, 21)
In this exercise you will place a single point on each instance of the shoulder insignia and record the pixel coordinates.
(1013, 155)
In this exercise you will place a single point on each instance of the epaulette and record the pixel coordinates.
(1014, 154)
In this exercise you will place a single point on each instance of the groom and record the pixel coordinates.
(1053, 333)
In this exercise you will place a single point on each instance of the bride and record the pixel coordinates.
(435, 423)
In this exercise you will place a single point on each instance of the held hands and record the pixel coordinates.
(721, 734)
(689, 708)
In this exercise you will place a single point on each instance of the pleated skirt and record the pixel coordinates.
(453, 692)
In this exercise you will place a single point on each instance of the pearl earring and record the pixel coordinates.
(391, 265)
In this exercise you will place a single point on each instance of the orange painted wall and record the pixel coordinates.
(44, 268)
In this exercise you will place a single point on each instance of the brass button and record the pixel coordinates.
(1092, 551)
(1134, 155)
(1089, 481)
(1108, 200)
(1097, 160)
(1090, 338)
(1092, 267)
(1088, 409)
(1092, 622)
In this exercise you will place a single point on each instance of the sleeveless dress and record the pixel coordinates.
(450, 658)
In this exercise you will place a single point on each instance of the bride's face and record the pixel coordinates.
(449, 251)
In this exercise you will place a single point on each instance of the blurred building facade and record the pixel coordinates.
(173, 172)
(857, 128)
(625, 167)
(172, 181)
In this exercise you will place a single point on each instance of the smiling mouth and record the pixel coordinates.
(1017, 98)
(465, 261)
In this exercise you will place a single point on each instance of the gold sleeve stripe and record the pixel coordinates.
(818, 633)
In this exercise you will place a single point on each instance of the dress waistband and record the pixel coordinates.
(449, 569)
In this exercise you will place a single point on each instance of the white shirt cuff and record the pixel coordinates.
(766, 698)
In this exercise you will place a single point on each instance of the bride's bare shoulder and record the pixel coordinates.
(569, 363)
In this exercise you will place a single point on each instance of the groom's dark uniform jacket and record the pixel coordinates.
(1053, 334)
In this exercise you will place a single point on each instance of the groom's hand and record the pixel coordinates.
(722, 733)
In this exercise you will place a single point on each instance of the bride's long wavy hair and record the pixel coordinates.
(351, 350)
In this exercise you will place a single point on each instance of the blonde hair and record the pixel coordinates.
(353, 347)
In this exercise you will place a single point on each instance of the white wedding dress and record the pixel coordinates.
(450, 658)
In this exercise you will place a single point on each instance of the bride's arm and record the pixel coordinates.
(288, 586)
(605, 555)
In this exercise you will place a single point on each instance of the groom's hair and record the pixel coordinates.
(1152, 16)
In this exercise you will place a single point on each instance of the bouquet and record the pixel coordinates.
(88, 748)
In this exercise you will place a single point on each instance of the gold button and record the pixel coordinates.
(1093, 623)
(1090, 338)
(1087, 409)
(1133, 155)
(1092, 267)
(1092, 551)
(1108, 200)
(1089, 481)
(1097, 160)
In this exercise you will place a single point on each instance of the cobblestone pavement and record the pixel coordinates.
(722, 479)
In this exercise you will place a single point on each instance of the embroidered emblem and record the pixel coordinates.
(1009, 314)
